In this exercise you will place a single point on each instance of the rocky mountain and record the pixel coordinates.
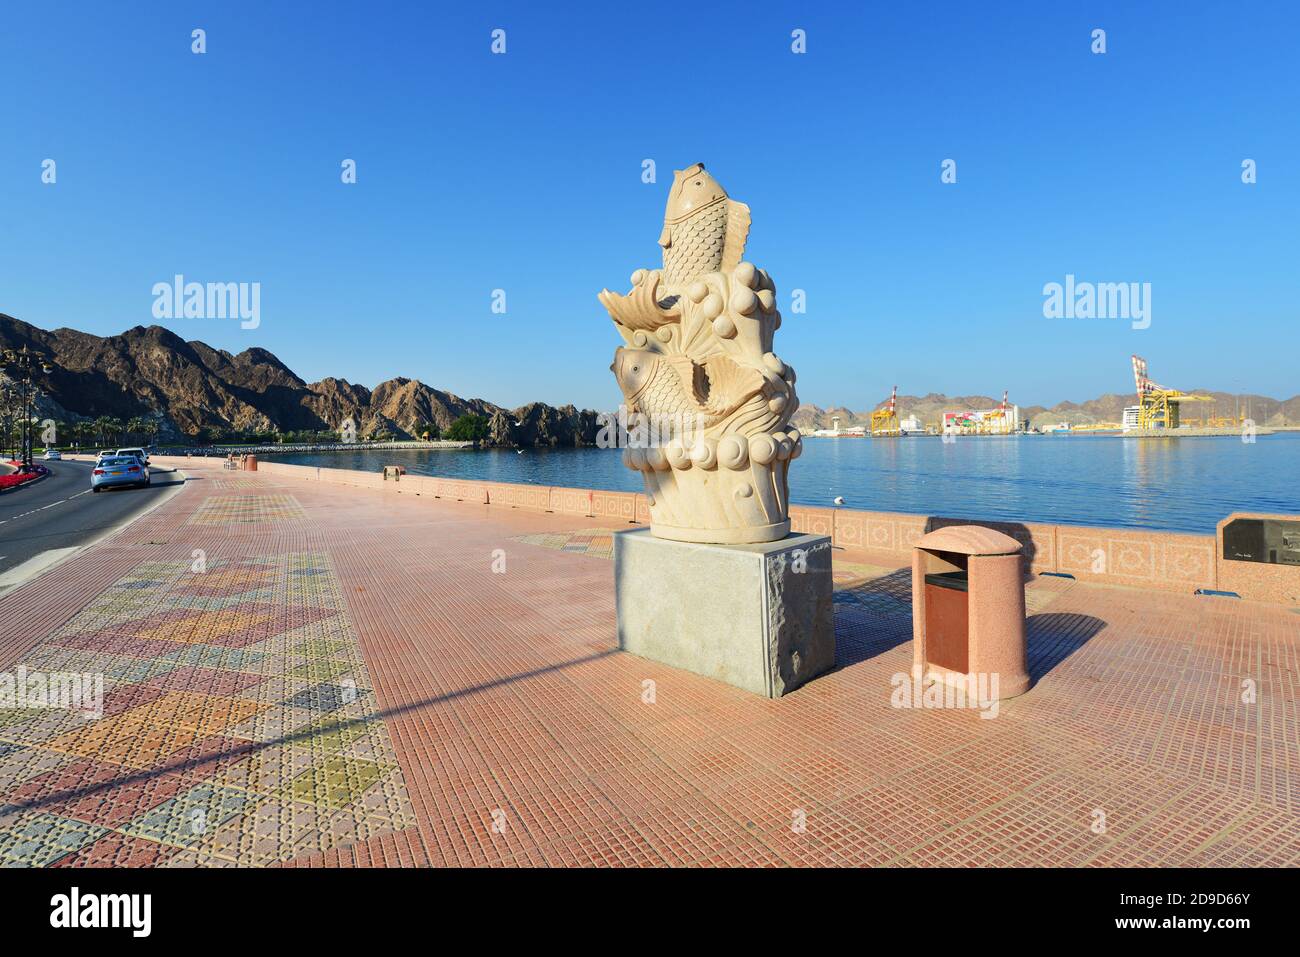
(538, 424)
(190, 389)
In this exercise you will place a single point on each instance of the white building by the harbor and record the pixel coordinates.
(998, 421)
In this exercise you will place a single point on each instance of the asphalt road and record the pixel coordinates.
(60, 512)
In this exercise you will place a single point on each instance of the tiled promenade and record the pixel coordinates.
(317, 675)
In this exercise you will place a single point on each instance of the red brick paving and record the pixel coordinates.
(524, 738)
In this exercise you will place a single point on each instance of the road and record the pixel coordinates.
(58, 513)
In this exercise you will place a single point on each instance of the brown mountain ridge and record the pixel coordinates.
(191, 389)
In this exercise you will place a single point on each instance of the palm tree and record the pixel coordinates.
(136, 427)
(101, 426)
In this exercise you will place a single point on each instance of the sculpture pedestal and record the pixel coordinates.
(759, 617)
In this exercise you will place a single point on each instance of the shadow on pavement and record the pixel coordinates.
(252, 747)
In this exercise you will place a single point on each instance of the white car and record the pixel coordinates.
(53, 455)
(138, 452)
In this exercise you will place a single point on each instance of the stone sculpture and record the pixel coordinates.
(709, 402)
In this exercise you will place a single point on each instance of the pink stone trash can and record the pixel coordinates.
(968, 609)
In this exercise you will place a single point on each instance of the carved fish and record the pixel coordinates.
(667, 386)
(704, 231)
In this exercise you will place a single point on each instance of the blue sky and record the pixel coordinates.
(523, 172)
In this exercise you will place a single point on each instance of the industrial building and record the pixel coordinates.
(1003, 420)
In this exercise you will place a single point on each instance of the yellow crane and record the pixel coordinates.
(884, 421)
(1158, 407)
(995, 420)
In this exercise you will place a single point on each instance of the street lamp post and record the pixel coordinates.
(8, 403)
(19, 364)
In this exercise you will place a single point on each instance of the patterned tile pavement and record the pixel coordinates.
(236, 509)
(238, 726)
(353, 678)
(596, 542)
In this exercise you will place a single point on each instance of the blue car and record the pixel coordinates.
(118, 470)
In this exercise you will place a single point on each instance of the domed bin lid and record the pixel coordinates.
(969, 540)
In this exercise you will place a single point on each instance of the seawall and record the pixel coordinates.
(1135, 558)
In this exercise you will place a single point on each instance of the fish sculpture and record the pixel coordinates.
(704, 231)
(698, 351)
(665, 386)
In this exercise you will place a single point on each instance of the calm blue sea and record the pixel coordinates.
(1183, 484)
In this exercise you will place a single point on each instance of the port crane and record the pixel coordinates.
(1158, 407)
(884, 420)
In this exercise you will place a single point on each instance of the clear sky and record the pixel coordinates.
(523, 172)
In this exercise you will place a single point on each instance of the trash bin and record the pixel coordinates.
(968, 609)
(250, 463)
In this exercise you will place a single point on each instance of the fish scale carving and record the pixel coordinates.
(696, 246)
(707, 403)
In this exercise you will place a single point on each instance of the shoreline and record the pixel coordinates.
(1148, 559)
(603, 480)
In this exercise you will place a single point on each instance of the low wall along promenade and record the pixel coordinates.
(1165, 561)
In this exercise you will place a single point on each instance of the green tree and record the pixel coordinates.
(103, 426)
(469, 428)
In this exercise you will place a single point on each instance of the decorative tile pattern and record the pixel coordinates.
(245, 509)
(594, 542)
(616, 505)
(238, 725)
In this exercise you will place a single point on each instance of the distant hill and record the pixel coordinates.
(189, 388)
(1106, 408)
